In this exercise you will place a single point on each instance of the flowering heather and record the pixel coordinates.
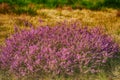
(57, 50)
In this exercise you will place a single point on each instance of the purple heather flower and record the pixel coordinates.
(57, 50)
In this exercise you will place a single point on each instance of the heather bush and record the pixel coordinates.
(57, 50)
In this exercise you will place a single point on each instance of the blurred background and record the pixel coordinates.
(30, 6)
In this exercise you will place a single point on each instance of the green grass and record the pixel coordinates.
(25, 10)
(97, 76)
(21, 6)
(55, 3)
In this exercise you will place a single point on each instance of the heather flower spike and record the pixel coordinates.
(16, 28)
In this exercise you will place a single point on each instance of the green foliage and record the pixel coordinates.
(90, 4)
(79, 4)
(95, 4)
(16, 2)
(112, 3)
(26, 10)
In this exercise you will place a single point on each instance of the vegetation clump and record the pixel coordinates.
(57, 50)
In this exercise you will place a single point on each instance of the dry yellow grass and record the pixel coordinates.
(106, 18)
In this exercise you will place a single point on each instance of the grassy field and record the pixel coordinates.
(106, 18)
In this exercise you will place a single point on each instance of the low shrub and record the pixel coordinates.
(57, 50)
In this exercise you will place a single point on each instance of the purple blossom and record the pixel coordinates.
(57, 50)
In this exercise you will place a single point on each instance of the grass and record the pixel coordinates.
(100, 76)
(94, 4)
(24, 6)
(106, 18)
